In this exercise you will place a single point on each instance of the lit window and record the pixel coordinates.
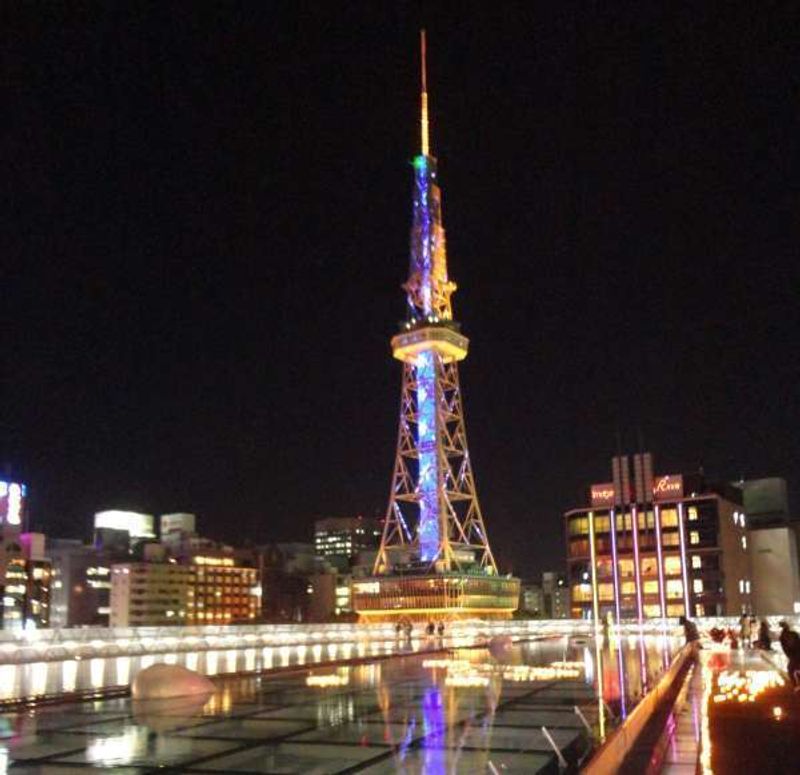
(697, 586)
(669, 518)
(694, 537)
(672, 566)
(697, 561)
(747, 587)
(692, 513)
(674, 588)
(741, 586)
(651, 587)
(700, 610)
(744, 542)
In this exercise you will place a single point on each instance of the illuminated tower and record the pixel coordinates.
(434, 558)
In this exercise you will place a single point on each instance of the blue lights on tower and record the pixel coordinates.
(422, 252)
(428, 528)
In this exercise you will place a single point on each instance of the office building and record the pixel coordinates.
(653, 546)
(773, 536)
(555, 595)
(339, 539)
(24, 568)
(208, 590)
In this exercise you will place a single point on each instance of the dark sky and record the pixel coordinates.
(206, 228)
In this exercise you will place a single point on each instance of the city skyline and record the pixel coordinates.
(211, 233)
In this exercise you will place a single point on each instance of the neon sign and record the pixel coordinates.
(666, 487)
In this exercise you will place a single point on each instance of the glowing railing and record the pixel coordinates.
(87, 643)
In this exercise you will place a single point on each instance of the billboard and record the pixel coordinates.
(137, 525)
(12, 503)
(667, 487)
(602, 494)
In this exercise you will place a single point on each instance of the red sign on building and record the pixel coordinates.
(602, 494)
(667, 487)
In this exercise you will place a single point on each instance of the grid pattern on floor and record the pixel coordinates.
(394, 717)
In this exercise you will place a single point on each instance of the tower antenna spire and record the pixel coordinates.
(424, 94)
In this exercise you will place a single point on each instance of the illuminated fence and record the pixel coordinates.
(92, 642)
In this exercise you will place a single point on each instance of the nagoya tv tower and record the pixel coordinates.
(434, 560)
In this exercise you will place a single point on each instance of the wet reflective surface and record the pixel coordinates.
(465, 710)
(38, 679)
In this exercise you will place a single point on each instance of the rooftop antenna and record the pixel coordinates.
(423, 94)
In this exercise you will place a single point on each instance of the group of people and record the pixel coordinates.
(753, 634)
(406, 628)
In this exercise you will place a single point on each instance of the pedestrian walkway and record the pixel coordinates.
(683, 750)
(740, 715)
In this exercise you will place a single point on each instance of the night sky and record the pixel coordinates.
(206, 229)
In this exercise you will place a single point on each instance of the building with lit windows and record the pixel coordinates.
(147, 594)
(224, 592)
(24, 569)
(339, 539)
(209, 590)
(555, 595)
(81, 583)
(654, 546)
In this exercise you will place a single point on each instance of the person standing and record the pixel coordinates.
(764, 640)
(689, 630)
(790, 643)
(744, 631)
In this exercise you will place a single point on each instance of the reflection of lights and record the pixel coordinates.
(8, 674)
(69, 675)
(461, 671)
(250, 659)
(266, 657)
(333, 679)
(705, 735)
(124, 670)
(39, 677)
(116, 749)
(230, 659)
(211, 663)
(96, 670)
(466, 680)
(745, 686)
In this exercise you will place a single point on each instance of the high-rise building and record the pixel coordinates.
(434, 559)
(653, 546)
(24, 568)
(340, 539)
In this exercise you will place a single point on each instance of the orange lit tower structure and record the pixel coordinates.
(434, 559)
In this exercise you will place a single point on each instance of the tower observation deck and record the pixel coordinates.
(434, 559)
